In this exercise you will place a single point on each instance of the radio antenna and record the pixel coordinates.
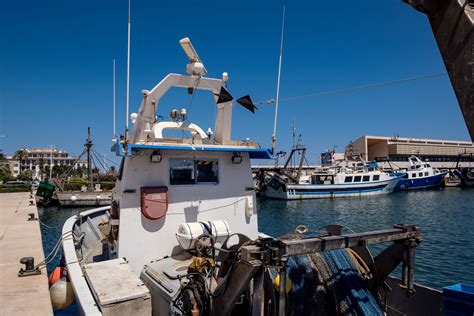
(128, 74)
(278, 84)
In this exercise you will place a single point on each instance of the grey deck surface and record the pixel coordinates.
(21, 238)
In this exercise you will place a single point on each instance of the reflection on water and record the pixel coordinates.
(445, 256)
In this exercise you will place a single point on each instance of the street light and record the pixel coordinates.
(51, 161)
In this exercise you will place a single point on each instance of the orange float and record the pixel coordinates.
(56, 275)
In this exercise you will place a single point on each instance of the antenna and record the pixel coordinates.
(115, 131)
(278, 83)
(195, 66)
(128, 73)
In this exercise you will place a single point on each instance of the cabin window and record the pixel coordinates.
(322, 179)
(420, 174)
(366, 178)
(348, 179)
(426, 174)
(206, 170)
(376, 177)
(413, 175)
(182, 171)
(357, 178)
(193, 171)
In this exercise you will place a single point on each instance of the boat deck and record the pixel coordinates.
(21, 238)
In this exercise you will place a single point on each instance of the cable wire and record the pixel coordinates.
(355, 88)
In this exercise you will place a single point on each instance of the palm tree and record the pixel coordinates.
(20, 154)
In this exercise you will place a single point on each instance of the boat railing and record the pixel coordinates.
(73, 265)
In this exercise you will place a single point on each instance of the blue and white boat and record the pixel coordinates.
(362, 180)
(420, 175)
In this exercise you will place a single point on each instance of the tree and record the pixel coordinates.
(60, 170)
(112, 170)
(5, 172)
(25, 175)
(20, 155)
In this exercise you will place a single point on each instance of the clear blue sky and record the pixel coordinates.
(56, 69)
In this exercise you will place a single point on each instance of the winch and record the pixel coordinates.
(324, 272)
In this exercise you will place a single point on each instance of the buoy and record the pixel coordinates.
(277, 284)
(61, 294)
(56, 275)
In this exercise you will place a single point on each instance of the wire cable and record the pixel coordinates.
(355, 88)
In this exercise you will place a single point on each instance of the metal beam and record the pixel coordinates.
(304, 246)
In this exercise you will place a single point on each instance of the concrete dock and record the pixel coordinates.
(21, 238)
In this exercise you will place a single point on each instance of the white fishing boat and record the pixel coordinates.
(420, 175)
(181, 236)
(357, 181)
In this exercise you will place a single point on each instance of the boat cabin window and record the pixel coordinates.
(426, 174)
(193, 171)
(376, 177)
(357, 178)
(348, 179)
(322, 179)
(413, 175)
(420, 174)
(371, 169)
(366, 178)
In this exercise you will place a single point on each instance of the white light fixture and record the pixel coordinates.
(73, 198)
(209, 132)
(183, 114)
(236, 158)
(133, 117)
(156, 157)
(174, 114)
(147, 128)
(225, 76)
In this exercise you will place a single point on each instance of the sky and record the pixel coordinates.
(56, 69)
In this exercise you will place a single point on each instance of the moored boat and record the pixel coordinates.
(452, 179)
(420, 175)
(88, 196)
(181, 236)
(362, 180)
(467, 177)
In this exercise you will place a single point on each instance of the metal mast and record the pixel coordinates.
(115, 131)
(128, 74)
(278, 85)
(89, 167)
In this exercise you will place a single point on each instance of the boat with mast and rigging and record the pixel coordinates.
(91, 195)
(181, 236)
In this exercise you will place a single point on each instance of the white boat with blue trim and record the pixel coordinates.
(361, 180)
(181, 236)
(420, 175)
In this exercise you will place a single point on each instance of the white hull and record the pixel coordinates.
(84, 198)
(323, 191)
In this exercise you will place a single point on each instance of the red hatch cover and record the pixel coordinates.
(154, 202)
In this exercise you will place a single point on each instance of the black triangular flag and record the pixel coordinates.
(247, 103)
(224, 96)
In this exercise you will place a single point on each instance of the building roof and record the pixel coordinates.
(414, 140)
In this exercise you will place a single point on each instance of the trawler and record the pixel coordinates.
(181, 236)
(359, 180)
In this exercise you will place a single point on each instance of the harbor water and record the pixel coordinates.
(445, 256)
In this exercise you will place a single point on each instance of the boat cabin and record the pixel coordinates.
(167, 183)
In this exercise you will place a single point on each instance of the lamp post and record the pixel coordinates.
(51, 161)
